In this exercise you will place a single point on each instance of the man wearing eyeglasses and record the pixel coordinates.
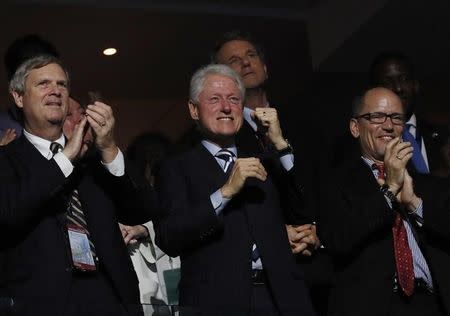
(384, 224)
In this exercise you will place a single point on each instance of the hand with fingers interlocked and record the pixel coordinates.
(303, 239)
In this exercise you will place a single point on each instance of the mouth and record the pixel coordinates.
(53, 103)
(225, 119)
(386, 138)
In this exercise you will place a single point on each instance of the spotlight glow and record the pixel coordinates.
(110, 51)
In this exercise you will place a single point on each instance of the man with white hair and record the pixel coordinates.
(223, 214)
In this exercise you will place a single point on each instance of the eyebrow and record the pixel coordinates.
(250, 50)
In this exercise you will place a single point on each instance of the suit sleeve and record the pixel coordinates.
(185, 224)
(132, 194)
(25, 189)
(349, 220)
(435, 194)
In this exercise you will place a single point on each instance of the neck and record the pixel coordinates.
(376, 161)
(50, 134)
(222, 143)
(255, 98)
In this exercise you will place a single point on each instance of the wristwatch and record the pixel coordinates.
(287, 150)
(388, 193)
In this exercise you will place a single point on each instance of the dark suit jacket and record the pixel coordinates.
(296, 189)
(434, 139)
(356, 228)
(216, 250)
(35, 260)
(302, 181)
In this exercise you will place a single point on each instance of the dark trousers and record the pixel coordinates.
(419, 304)
(93, 294)
(262, 302)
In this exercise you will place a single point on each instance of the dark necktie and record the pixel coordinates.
(403, 254)
(228, 157)
(75, 213)
(417, 158)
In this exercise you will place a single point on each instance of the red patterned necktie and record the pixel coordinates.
(403, 254)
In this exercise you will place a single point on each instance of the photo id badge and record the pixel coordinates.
(81, 250)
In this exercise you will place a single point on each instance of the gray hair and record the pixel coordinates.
(199, 77)
(17, 82)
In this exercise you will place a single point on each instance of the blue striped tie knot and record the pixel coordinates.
(227, 156)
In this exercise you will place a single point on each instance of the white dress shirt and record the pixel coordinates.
(116, 167)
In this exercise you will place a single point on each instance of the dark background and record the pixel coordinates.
(318, 52)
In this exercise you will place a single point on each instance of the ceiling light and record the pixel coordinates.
(110, 51)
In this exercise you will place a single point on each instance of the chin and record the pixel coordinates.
(56, 119)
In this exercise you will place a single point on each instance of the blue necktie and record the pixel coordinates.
(228, 157)
(417, 158)
(255, 253)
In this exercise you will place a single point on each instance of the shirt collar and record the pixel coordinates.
(43, 145)
(370, 163)
(214, 149)
(412, 121)
(248, 117)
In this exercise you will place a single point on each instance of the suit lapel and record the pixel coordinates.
(246, 140)
(25, 151)
(206, 166)
(358, 178)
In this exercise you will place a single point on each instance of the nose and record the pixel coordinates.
(226, 108)
(397, 86)
(245, 61)
(388, 125)
(55, 89)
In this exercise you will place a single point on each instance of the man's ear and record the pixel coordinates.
(265, 70)
(193, 110)
(354, 127)
(18, 99)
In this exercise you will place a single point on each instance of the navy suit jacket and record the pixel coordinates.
(216, 250)
(35, 259)
(356, 228)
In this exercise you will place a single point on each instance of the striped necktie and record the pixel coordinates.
(228, 157)
(75, 213)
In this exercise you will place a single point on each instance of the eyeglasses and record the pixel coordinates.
(380, 118)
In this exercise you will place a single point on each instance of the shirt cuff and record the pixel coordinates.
(218, 201)
(419, 210)
(117, 166)
(287, 161)
(63, 163)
